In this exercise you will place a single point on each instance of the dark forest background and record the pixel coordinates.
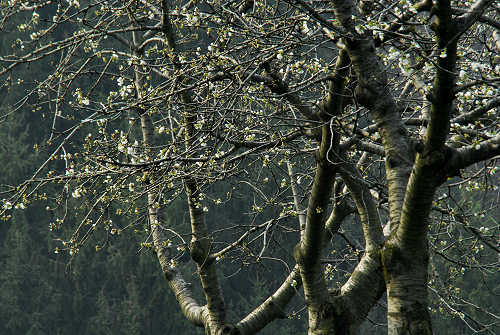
(119, 288)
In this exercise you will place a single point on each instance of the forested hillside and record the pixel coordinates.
(114, 289)
(117, 289)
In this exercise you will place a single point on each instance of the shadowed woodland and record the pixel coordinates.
(244, 167)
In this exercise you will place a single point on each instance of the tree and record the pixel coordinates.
(309, 111)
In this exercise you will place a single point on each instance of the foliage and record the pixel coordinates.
(231, 131)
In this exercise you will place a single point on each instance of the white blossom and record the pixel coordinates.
(77, 193)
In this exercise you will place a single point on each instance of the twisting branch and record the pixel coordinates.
(372, 92)
(200, 245)
(365, 204)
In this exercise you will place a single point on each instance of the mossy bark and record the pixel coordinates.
(406, 281)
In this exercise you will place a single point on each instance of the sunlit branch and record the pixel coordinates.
(471, 154)
(466, 20)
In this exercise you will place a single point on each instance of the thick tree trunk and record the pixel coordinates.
(406, 281)
(331, 318)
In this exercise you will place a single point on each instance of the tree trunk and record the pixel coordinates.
(406, 281)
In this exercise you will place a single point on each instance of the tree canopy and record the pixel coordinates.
(352, 142)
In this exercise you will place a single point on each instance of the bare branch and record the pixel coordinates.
(274, 306)
(476, 113)
(466, 20)
(466, 156)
